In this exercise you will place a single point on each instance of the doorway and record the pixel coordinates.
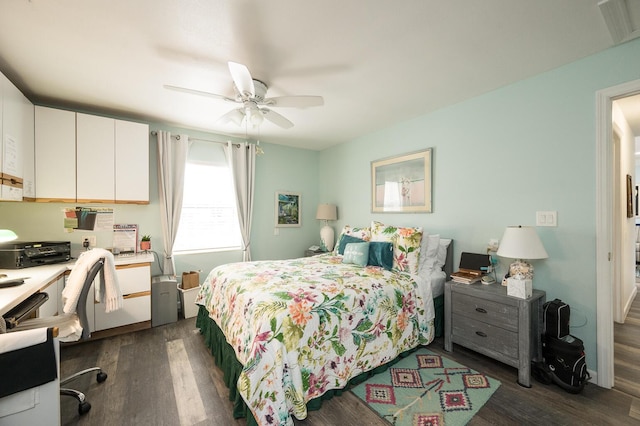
(608, 255)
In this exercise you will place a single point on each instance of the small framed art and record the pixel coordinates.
(288, 209)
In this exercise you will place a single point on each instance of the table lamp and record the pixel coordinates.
(326, 212)
(7, 235)
(521, 243)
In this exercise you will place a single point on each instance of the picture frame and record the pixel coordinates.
(402, 184)
(288, 211)
(630, 212)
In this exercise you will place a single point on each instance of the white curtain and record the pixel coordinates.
(242, 161)
(172, 158)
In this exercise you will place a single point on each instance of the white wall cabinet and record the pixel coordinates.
(105, 160)
(17, 138)
(95, 161)
(132, 165)
(55, 136)
(28, 151)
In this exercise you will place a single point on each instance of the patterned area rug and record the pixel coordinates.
(427, 389)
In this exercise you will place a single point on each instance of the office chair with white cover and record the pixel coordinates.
(73, 324)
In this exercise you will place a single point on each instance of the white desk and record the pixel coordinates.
(37, 278)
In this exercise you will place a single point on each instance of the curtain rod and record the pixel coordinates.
(177, 137)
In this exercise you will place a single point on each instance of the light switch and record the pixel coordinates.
(547, 218)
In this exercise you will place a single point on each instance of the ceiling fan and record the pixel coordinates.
(250, 93)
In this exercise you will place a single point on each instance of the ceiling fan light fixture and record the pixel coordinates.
(236, 117)
(256, 117)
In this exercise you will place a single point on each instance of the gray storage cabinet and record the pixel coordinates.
(164, 300)
(505, 328)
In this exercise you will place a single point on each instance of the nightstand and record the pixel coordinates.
(308, 252)
(483, 318)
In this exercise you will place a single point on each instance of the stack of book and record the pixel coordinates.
(466, 276)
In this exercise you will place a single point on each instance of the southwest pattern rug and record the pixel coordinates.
(427, 389)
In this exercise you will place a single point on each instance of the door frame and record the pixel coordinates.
(604, 227)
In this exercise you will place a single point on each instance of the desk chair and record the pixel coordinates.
(71, 319)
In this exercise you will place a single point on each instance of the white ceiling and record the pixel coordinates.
(375, 62)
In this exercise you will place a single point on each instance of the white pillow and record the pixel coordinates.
(429, 252)
(442, 253)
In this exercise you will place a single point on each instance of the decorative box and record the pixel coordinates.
(522, 289)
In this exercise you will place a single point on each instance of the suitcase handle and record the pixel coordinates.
(481, 310)
(481, 334)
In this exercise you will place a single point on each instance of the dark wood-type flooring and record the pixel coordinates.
(627, 352)
(166, 376)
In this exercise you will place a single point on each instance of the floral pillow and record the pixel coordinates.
(363, 233)
(406, 245)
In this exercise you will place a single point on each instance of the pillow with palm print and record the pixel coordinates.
(406, 244)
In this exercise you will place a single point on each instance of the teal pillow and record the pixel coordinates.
(356, 253)
(346, 239)
(381, 254)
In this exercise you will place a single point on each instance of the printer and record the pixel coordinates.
(21, 254)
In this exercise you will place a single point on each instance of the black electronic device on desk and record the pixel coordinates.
(21, 254)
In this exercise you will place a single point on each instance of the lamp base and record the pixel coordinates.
(327, 237)
(520, 269)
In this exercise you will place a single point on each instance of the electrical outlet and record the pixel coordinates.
(91, 239)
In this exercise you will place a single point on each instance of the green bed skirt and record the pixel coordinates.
(438, 304)
(225, 358)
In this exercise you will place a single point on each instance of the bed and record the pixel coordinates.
(289, 333)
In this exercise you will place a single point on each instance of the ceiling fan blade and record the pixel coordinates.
(198, 92)
(235, 116)
(276, 118)
(294, 101)
(242, 79)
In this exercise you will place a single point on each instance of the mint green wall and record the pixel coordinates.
(280, 168)
(499, 158)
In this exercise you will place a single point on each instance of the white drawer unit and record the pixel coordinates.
(135, 285)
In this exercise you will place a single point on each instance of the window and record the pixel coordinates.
(208, 221)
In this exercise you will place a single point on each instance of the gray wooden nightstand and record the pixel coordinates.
(308, 252)
(483, 318)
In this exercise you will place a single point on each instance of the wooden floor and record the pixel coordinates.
(627, 352)
(166, 376)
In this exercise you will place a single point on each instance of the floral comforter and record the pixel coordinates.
(301, 327)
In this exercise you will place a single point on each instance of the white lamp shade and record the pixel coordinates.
(327, 212)
(521, 242)
(7, 235)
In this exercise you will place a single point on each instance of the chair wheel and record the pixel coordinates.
(101, 377)
(84, 407)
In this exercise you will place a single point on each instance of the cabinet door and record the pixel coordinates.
(11, 164)
(95, 159)
(55, 136)
(54, 290)
(28, 151)
(132, 162)
(12, 129)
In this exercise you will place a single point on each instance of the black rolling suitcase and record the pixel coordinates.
(564, 359)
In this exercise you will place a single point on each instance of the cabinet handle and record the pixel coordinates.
(481, 334)
(481, 310)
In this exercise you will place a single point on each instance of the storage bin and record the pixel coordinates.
(164, 300)
(188, 301)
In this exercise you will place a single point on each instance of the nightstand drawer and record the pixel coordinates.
(490, 312)
(483, 335)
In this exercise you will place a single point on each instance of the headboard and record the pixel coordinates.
(448, 264)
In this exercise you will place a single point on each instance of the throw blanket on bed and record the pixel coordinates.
(304, 326)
